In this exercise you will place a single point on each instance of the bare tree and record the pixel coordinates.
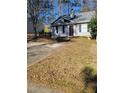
(33, 9)
(86, 6)
(61, 6)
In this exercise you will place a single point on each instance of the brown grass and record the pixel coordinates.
(62, 69)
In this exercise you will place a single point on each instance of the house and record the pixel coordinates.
(40, 26)
(29, 24)
(73, 25)
(30, 28)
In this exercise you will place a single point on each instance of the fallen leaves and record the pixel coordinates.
(62, 69)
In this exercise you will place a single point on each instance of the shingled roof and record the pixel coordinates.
(82, 17)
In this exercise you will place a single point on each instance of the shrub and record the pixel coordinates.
(89, 74)
(89, 77)
(93, 27)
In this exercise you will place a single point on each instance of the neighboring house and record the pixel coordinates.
(30, 28)
(47, 28)
(29, 24)
(73, 25)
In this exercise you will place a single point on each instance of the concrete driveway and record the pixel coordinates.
(41, 89)
(37, 51)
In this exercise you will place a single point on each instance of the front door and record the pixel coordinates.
(71, 30)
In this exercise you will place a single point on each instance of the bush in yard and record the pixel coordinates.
(93, 27)
(89, 75)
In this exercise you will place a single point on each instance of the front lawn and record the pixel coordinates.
(63, 69)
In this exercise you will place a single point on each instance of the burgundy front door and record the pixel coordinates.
(71, 30)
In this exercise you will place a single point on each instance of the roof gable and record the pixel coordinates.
(62, 19)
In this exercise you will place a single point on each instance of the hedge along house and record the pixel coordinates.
(73, 25)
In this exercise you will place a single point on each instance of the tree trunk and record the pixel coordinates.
(35, 32)
(68, 8)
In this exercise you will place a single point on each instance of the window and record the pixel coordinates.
(56, 29)
(79, 27)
